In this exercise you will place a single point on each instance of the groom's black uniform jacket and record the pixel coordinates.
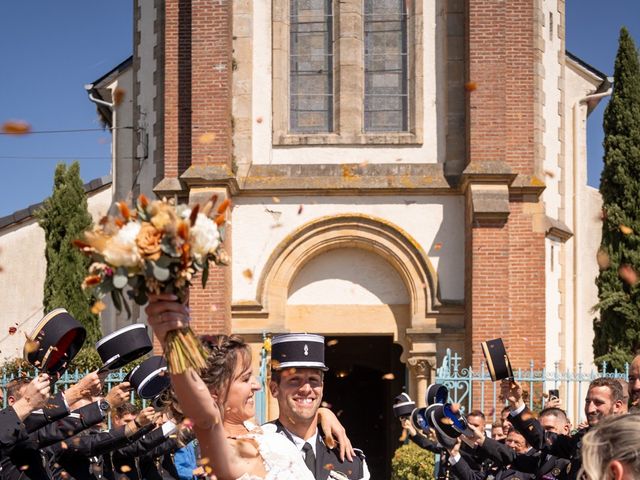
(327, 459)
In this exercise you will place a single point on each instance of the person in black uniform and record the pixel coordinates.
(297, 380)
(80, 457)
(47, 426)
(516, 449)
(149, 457)
(11, 418)
(604, 398)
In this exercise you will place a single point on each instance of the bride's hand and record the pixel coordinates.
(165, 313)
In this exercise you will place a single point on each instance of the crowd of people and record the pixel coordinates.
(201, 426)
(523, 445)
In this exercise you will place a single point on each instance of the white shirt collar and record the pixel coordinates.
(299, 442)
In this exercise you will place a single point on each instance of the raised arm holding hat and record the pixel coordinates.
(297, 382)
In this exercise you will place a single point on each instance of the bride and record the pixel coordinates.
(220, 402)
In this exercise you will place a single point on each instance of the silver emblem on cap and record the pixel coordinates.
(306, 350)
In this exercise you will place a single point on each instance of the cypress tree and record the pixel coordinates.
(64, 217)
(617, 331)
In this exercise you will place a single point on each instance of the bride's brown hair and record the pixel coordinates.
(223, 353)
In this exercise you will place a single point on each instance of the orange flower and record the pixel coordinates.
(148, 241)
(224, 205)
(91, 280)
(124, 210)
(143, 200)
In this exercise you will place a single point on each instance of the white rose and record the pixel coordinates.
(121, 250)
(204, 237)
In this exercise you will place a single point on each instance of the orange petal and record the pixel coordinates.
(16, 127)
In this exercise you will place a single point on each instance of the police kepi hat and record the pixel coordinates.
(123, 346)
(419, 420)
(54, 341)
(403, 405)
(297, 350)
(447, 423)
(150, 378)
(436, 393)
(497, 359)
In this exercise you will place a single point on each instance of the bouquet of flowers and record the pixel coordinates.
(157, 248)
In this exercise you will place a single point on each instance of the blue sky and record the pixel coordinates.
(50, 50)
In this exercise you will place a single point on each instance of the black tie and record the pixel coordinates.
(309, 457)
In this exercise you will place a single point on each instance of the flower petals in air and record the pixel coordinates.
(603, 260)
(628, 274)
(98, 307)
(471, 86)
(626, 230)
(16, 127)
(118, 96)
(206, 138)
(12, 330)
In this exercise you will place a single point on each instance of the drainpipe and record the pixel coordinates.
(99, 101)
(576, 208)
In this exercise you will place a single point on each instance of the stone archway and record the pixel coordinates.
(417, 335)
(354, 231)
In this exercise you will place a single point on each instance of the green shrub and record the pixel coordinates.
(410, 462)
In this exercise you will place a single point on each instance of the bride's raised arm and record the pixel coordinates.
(165, 314)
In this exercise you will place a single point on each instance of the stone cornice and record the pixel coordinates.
(337, 179)
(557, 229)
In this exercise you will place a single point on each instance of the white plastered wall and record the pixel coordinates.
(263, 151)
(261, 224)
(24, 266)
(553, 174)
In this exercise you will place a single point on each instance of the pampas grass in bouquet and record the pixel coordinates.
(158, 247)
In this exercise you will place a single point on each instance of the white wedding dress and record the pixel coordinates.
(282, 460)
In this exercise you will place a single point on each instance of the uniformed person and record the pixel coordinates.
(604, 398)
(297, 381)
(80, 455)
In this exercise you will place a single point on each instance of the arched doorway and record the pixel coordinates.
(359, 280)
(359, 302)
(365, 374)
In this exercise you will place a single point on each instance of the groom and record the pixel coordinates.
(297, 380)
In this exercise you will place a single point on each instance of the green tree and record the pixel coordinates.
(617, 331)
(64, 217)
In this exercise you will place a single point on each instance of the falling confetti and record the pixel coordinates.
(98, 307)
(437, 246)
(12, 330)
(248, 274)
(549, 173)
(16, 127)
(626, 230)
(325, 405)
(603, 260)
(275, 199)
(471, 86)
(332, 342)
(628, 274)
(300, 208)
(388, 376)
(31, 346)
(125, 468)
(259, 120)
(206, 138)
(118, 96)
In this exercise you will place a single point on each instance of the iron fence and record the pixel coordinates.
(467, 385)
